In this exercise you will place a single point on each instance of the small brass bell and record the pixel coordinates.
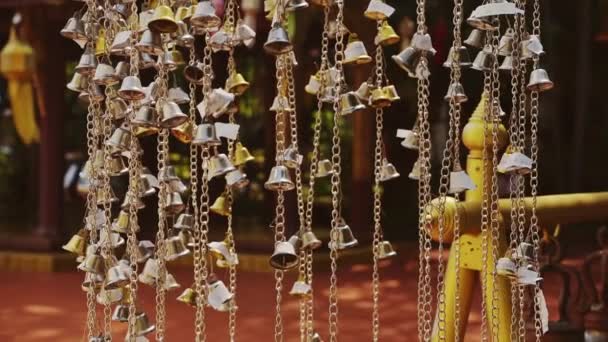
(219, 101)
(204, 16)
(242, 155)
(476, 39)
(539, 81)
(505, 46)
(221, 206)
(77, 243)
(219, 165)
(142, 324)
(114, 239)
(378, 10)
(78, 83)
(92, 263)
(293, 5)
(379, 98)
(456, 93)
(291, 158)
(145, 188)
(129, 202)
(237, 84)
(116, 277)
(344, 237)
(236, 179)
(388, 171)
(107, 297)
(121, 223)
(149, 274)
(145, 117)
(385, 250)
(219, 295)
(205, 135)
(507, 64)
(184, 132)
(464, 59)
(506, 267)
(175, 248)
(310, 240)
(391, 92)
(171, 115)
(87, 63)
(131, 89)
(350, 103)
(106, 197)
(163, 20)
(386, 35)
(150, 43)
(174, 204)
(279, 179)
(92, 280)
(483, 61)
(355, 52)
(280, 104)
(145, 250)
(324, 168)
(194, 73)
(74, 29)
(278, 41)
(145, 131)
(300, 289)
(121, 313)
(364, 92)
(284, 256)
(415, 173)
(314, 84)
(188, 297)
(105, 75)
(460, 181)
(184, 221)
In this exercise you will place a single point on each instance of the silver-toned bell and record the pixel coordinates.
(483, 61)
(174, 204)
(464, 59)
(96, 95)
(539, 81)
(105, 75)
(142, 324)
(204, 16)
(507, 64)
(324, 168)
(120, 44)
(145, 250)
(355, 52)
(163, 20)
(408, 60)
(194, 73)
(415, 173)
(310, 240)
(506, 267)
(145, 117)
(476, 39)
(513, 161)
(505, 46)
(87, 63)
(291, 158)
(170, 283)
(121, 223)
(456, 93)
(460, 181)
(146, 61)
(106, 297)
(219, 101)
(279, 179)
(278, 41)
(131, 89)
(178, 95)
(92, 280)
(149, 274)
(385, 250)
(78, 83)
(293, 5)
(344, 237)
(184, 38)
(77, 243)
(184, 221)
(350, 103)
(120, 139)
(388, 171)
(315, 337)
(236, 179)
(219, 165)
(378, 10)
(167, 61)
(145, 188)
(167, 174)
(219, 295)
(74, 29)
(170, 114)
(205, 135)
(245, 33)
(295, 241)
(280, 104)
(524, 251)
(178, 186)
(121, 313)
(175, 248)
(284, 256)
(364, 92)
(300, 288)
(116, 277)
(150, 43)
(122, 69)
(129, 203)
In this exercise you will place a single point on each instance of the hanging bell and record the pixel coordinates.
(328, 95)
(507, 64)
(456, 93)
(96, 95)
(423, 42)
(236, 179)
(204, 16)
(506, 267)
(514, 162)
(118, 108)
(150, 43)
(114, 239)
(219, 101)
(324, 168)
(391, 93)
(194, 73)
(108, 297)
(410, 139)
(531, 47)
(188, 297)
(364, 92)
(142, 324)
(379, 98)
(279, 179)
(481, 23)
(415, 173)
(92, 280)
(344, 237)
(166, 61)
(184, 38)
(280, 104)
(278, 41)
(106, 197)
(385, 250)
(237, 84)
(219, 165)
(524, 252)
(174, 204)
(184, 12)
(388, 171)
(121, 223)
(408, 60)
(74, 29)
(120, 44)
(483, 61)
(171, 115)
(460, 181)
(310, 240)
(87, 63)
(105, 75)
(350, 103)
(122, 70)
(301, 289)
(315, 337)
(184, 221)
(116, 277)
(149, 274)
(284, 256)
(178, 186)
(145, 117)
(146, 61)
(505, 46)
(539, 81)
(476, 39)
(355, 52)
(222, 39)
(92, 263)
(464, 59)
(131, 89)
(121, 313)
(221, 206)
(293, 5)
(77, 243)
(242, 155)
(145, 250)
(386, 35)
(145, 188)
(205, 135)
(314, 84)
(184, 132)
(295, 241)
(291, 158)
(141, 132)
(78, 83)
(163, 20)
(219, 295)
(175, 248)
(378, 10)
(132, 202)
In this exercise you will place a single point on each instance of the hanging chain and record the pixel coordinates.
(200, 240)
(485, 207)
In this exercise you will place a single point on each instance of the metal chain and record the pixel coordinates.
(231, 247)
(201, 239)
(485, 207)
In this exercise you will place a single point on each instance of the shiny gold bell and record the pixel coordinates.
(175, 248)
(355, 52)
(279, 179)
(379, 98)
(171, 115)
(344, 237)
(237, 84)
(385, 250)
(350, 103)
(278, 41)
(242, 155)
(163, 20)
(77, 243)
(386, 35)
(221, 206)
(391, 93)
(310, 240)
(92, 263)
(284, 256)
(324, 168)
(174, 204)
(145, 250)
(188, 296)
(219, 165)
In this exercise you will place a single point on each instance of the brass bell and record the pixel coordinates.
(379, 98)
(460, 181)
(183, 14)
(188, 297)
(324, 168)
(410, 139)
(278, 40)
(456, 93)
(539, 81)
(130, 202)
(145, 131)
(300, 288)
(378, 10)
(105, 75)
(205, 135)
(506, 267)
(219, 165)
(236, 179)
(194, 73)
(116, 277)
(310, 240)
(280, 104)
(106, 197)
(77, 243)
(505, 46)
(150, 43)
(78, 83)
(100, 43)
(121, 313)
(219, 295)
(350, 103)
(174, 204)
(146, 61)
(464, 59)
(415, 173)
(149, 274)
(355, 52)
(204, 16)
(314, 84)
(87, 63)
(167, 174)
(388, 171)
(284, 256)
(219, 101)
(386, 35)
(407, 60)
(237, 84)
(344, 237)
(183, 132)
(184, 38)
(145, 250)
(121, 223)
(221, 206)
(291, 158)
(483, 61)
(184, 221)
(175, 248)
(242, 155)
(131, 89)
(385, 250)
(476, 39)
(507, 64)
(391, 93)
(293, 5)
(163, 20)
(74, 29)
(170, 283)
(178, 95)
(279, 179)
(170, 114)
(142, 324)
(364, 92)
(145, 188)
(118, 108)
(92, 263)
